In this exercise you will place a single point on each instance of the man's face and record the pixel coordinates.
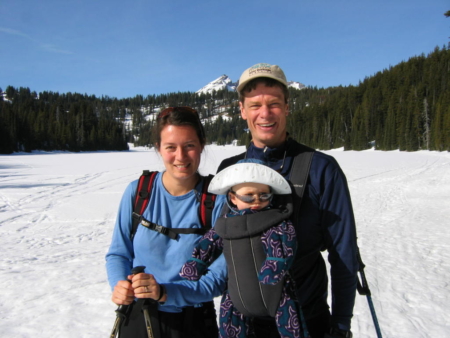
(265, 110)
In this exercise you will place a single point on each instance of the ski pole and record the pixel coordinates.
(363, 290)
(374, 316)
(145, 309)
(148, 323)
(122, 310)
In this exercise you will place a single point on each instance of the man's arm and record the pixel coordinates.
(340, 233)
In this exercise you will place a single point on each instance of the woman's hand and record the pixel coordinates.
(123, 293)
(146, 286)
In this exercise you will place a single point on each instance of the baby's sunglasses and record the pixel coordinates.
(262, 197)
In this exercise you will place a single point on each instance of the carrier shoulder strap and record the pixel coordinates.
(143, 193)
(300, 171)
(299, 175)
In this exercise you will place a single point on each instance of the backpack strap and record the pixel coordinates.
(207, 201)
(170, 232)
(143, 193)
(142, 198)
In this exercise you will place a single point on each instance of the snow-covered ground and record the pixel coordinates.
(57, 212)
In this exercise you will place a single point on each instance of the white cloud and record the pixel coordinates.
(15, 32)
(45, 46)
(51, 48)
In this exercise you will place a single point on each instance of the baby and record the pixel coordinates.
(259, 245)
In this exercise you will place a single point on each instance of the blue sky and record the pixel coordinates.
(125, 48)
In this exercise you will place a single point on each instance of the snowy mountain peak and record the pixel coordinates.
(225, 82)
(220, 83)
(296, 85)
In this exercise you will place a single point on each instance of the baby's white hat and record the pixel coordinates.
(248, 171)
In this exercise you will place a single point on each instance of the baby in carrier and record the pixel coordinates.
(259, 244)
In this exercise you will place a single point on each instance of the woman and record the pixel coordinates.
(174, 203)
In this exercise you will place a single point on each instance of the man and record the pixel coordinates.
(325, 218)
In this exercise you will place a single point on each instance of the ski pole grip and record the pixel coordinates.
(123, 308)
(138, 269)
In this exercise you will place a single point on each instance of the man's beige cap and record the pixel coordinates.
(262, 70)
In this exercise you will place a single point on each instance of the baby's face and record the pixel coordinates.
(250, 190)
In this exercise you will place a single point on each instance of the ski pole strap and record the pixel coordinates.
(169, 232)
(363, 290)
(362, 286)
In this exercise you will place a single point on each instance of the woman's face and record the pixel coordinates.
(180, 150)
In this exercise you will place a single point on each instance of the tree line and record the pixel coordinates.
(404, 107)
(53, 121)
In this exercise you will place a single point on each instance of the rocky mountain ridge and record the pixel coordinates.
(225, 82)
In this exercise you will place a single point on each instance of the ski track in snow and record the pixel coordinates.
(400, 204)
(57, 212)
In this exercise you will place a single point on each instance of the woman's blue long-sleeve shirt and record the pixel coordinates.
(162, 256)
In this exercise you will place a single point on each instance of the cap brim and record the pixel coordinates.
(246, 173)
(242, 85)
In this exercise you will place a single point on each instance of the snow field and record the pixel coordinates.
(57, 212)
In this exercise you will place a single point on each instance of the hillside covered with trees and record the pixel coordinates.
(405, 107)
